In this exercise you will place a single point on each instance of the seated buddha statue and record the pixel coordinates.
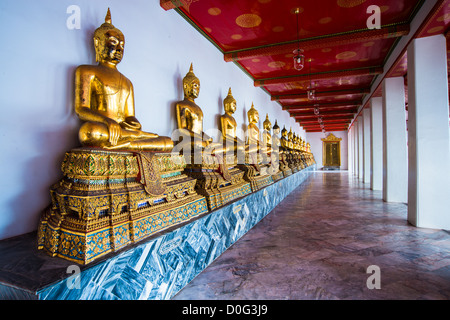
(253, 145)
(190, 115)
(290, 139)
(104, 100)
(284, 150)
(228, 126)
(266, 136)
(275, 138)
(284, 139)
(253, 134)
(190, 119)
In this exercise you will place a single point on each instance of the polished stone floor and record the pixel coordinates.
(319, 243)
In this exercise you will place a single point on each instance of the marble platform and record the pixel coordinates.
(156, 269)
(318, 244)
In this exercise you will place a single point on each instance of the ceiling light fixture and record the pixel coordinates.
(311, 91)
(299, 58)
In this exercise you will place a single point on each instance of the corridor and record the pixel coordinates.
(319, 243)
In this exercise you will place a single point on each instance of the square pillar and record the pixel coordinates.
(350, 150)
(355, 148)
(360, 149)
(395, 159)
(428, 134)
(376, 143)
(366, 145)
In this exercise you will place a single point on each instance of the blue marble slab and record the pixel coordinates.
(159, 268)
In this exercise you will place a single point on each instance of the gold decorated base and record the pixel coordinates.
(108, 200)
(219, 184)
(277, 176)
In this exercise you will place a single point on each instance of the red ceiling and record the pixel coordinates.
(260, 36)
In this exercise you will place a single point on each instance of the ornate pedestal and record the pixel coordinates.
(284, 165)
(258, 176)
(277, 176)
(218, 187)
(156, 268)
(107, 200)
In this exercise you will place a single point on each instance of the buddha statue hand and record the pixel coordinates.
(131, 123)
(114, 131)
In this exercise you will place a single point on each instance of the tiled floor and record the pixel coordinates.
(318, 244)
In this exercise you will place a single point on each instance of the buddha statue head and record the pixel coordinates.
(109, 42)
(266, 124)
(290, 134)
(284, 133)
(276, 128)
(253, 115)
(229, 103)
(191, 85)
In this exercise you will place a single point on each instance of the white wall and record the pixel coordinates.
(314, 138)
(39, 55)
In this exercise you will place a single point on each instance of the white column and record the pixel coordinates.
(360, 149)
(366, 145)
(428, 134)
(350, 150)
(355, 151)
(376, 144)
(355, 148)
(395, 159)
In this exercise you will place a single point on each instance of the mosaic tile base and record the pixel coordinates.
(159, 268)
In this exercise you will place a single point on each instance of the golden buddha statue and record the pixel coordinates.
(190, 115)
(104, 99)
(108, 199)
(284, 139)
(252, 128)
(228, 125)
(253, 134)
(284, 153)
(266, 136)
(275, 138)
(290, 141)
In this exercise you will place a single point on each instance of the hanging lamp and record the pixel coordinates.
(299, 58)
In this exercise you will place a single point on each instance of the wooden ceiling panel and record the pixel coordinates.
(343, 57)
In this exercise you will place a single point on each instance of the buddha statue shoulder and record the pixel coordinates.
(104, 100)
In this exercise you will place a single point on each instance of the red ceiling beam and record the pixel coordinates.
(325, 116)
(337, 118)
(327, 113)
(325, 127)
(329, 120)
(320, 127)
(329, 125)
(322, 42)
(324, 109)
(172, 4)
(324, 105)
(320, 94)
(340, 129)
(320, 76)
